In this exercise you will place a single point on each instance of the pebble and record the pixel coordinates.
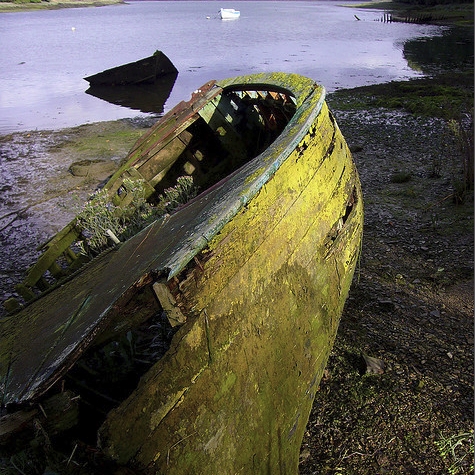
(374, 365)
(386, 304)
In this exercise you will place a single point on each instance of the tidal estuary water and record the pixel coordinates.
(46, 54)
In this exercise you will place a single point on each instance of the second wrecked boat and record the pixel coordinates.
(253, 272)
(143, 71)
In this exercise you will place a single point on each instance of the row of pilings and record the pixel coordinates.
(422, 19)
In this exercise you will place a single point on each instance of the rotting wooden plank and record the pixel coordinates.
(58, 236)
(169, 305)
(54, 249)
(163, 133)
(55, 415)
(147, 149)
(146, 137)
(25, 292)
(56, 270)
(174, 121)
(14, 423)
(318, 163)
(135, 308)
(156, 167)
(163, 136)
(216, 116)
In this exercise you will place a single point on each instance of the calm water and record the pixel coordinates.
(46, 54)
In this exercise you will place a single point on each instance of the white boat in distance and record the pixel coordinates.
(229, 14)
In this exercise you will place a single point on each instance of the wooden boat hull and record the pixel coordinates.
(236, 390)
(143, 71)
(256, 269)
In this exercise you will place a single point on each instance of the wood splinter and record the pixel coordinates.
(169, 305)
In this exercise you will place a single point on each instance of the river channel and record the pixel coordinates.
(46, 54)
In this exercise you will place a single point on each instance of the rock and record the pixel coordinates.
(356, 148)
(374, 365)
(386, 305)
(92, 167)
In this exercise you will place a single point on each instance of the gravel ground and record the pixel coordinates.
(411, 308)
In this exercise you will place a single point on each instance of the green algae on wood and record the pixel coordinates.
(266, 307)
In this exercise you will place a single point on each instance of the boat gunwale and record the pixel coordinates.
(311, 92)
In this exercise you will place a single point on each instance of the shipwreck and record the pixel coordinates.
(220, 314)
(144, 71)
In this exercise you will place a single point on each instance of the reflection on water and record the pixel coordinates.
(147, 98)
(452, 51)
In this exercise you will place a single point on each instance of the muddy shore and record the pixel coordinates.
(411, 305)
(410, 308)
(46, 178)
(6, 7)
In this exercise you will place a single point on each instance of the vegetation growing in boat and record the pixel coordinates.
(206, 140)
(100, 217)
(259, 119)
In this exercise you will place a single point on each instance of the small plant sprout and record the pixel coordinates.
(457, 450)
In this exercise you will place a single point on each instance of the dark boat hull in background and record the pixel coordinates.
(143, 71)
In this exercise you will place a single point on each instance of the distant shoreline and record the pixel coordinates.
(6, 7)
(441, 14)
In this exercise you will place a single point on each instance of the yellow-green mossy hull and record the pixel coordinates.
(234, 392)
(255, 269)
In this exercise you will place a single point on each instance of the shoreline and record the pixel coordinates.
(440, 14)
(9, 7)
(454, 14)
